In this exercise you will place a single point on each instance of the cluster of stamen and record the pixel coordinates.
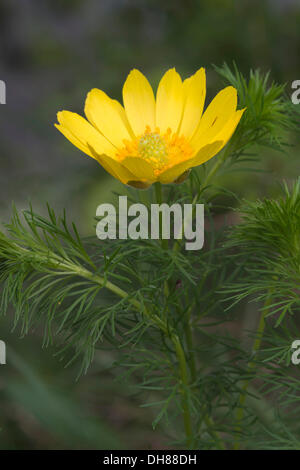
(152, 148)
(161, 150)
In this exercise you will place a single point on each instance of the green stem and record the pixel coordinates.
(180, 354)
(158, 194)
(64, 267)
(214, 434)
(250, 369)
(217, 165)
(102, 282)
(190, 345)
(183, 371)
(213, 170)
(184, 390)
(164, 243)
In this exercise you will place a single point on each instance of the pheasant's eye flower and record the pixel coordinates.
(151, 139)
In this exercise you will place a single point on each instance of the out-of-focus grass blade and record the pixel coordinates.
(56, 412)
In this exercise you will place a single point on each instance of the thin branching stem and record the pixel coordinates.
(190, 345)
(164, 242)
(180, 353)
(184, 390)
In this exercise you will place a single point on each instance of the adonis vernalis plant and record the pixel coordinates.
(204, 336)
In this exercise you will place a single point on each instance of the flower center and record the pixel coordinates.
(152, 147)
(161, 150)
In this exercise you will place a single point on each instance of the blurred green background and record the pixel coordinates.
(52, 53)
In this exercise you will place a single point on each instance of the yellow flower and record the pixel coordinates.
(151, 139)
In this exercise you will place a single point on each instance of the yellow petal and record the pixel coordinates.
(221, 139)
(104, 114)
(207, 152)
(123, 116)
(72, 138)
(141, 169)
(81, 133)
(220, 111)
(227, 131)
(115, 168)
(169, 102)
(194, 89)
(139, 102)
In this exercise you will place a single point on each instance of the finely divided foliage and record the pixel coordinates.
(269, 240)
(173, 318)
